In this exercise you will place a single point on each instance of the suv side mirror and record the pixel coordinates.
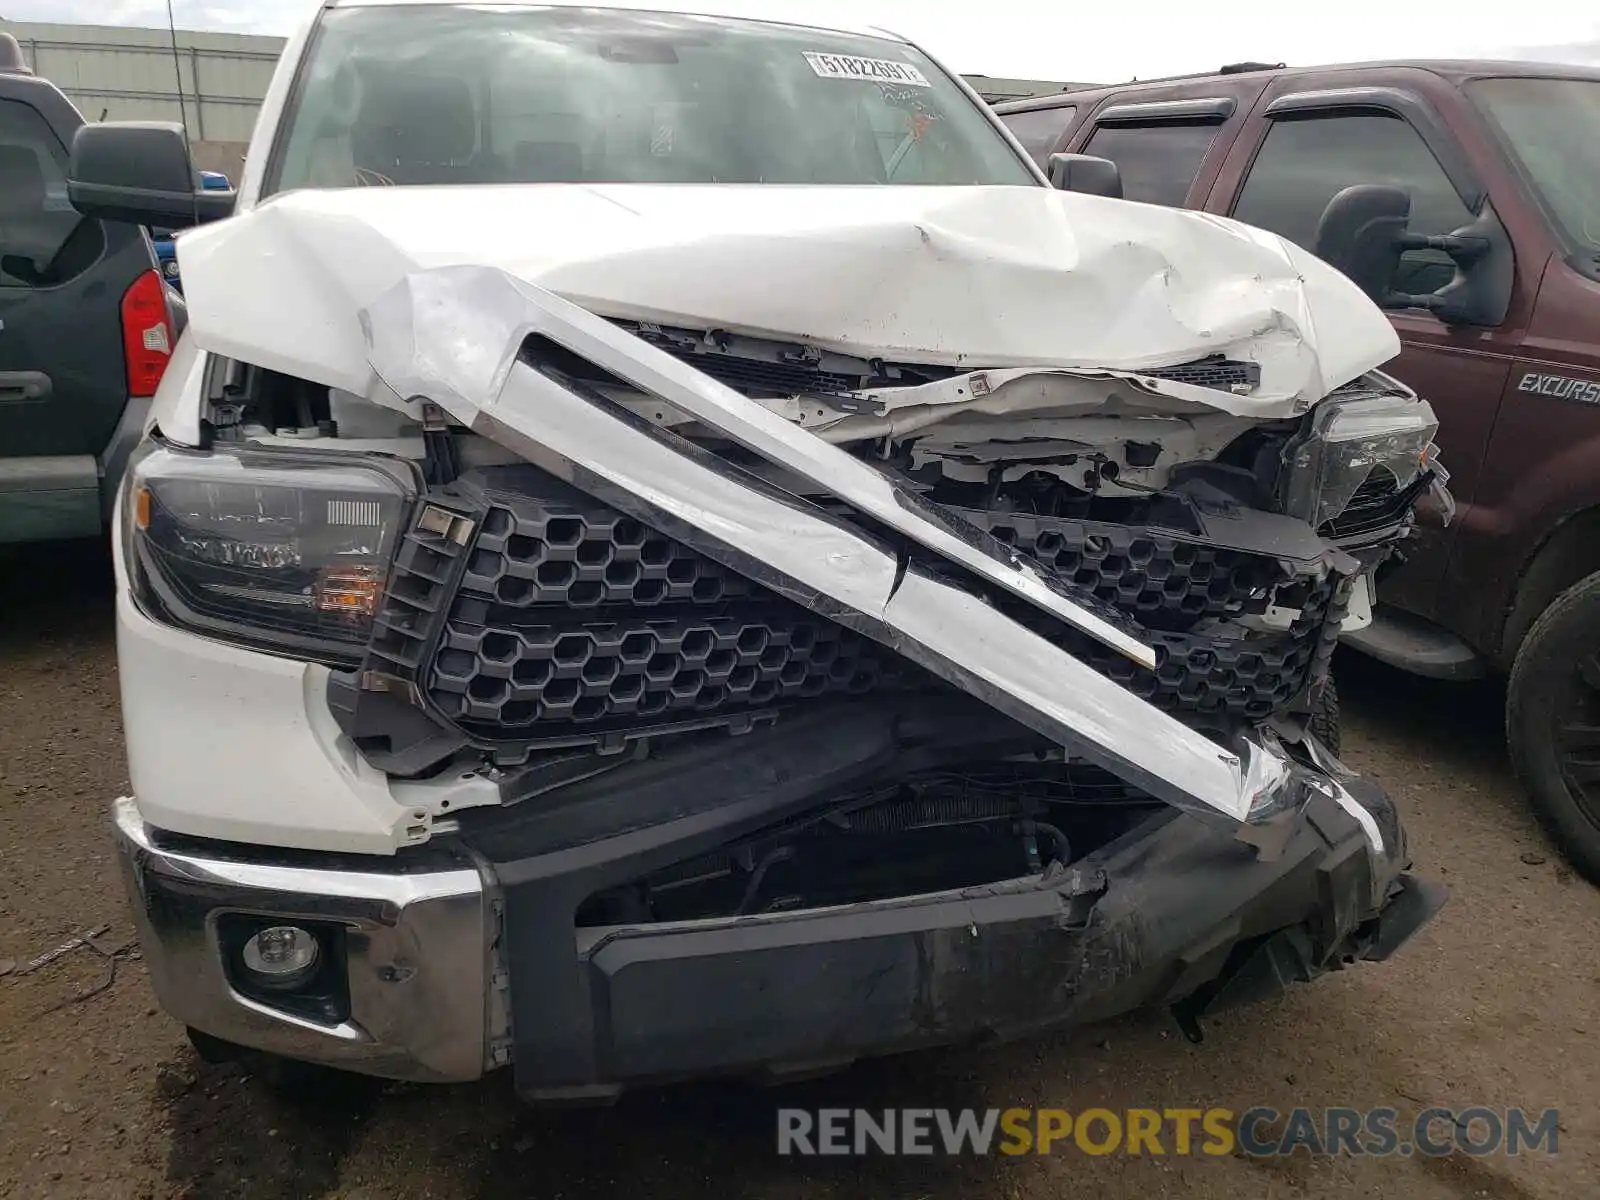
(1363, 233)
(1360, 233)
(1087, 174)
(139, 172)
(1479, 293)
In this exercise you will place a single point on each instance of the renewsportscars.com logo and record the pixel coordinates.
(1257, 1132)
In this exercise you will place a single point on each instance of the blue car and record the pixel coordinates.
(166, 251)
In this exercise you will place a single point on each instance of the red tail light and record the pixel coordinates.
(146, 333)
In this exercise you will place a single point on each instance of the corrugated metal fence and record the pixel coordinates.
(122, 74)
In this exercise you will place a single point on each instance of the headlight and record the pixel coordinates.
(285, 550)
(1346, 443)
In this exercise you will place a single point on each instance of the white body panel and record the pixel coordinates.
(978, 277)
(229, 743)
(225, 742)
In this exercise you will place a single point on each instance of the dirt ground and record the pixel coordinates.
(1494, 1004)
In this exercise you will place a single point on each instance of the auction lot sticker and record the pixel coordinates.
(873, 70)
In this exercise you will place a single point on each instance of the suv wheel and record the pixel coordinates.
(1553, 722)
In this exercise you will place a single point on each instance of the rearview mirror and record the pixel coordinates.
(1086, 174)
(1361, 234)
(139, 172)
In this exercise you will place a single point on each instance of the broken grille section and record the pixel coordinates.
(1163, 581)
(1217, 675)
(1243, 677)
(759, 367)
(574, 621)
(566, 623)
(1222, 374)
(754, 376)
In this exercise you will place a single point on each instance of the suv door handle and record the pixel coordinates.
(22, 386)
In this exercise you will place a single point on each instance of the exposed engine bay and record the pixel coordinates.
(934, 830)
(567, 639)
(601, 534)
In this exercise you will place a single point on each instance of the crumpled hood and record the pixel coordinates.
(969, 277)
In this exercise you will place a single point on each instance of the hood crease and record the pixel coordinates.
(972, 277)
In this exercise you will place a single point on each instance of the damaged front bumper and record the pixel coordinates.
(480, 956)
(485, 348)
(516, 934)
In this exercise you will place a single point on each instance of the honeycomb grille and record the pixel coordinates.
(1250, 677)
(1162, 581)
(572, 552)
(564, 623)
(506, 677)
(574, 620)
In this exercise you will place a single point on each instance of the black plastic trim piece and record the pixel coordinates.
(1203, 110)
(1397, 102)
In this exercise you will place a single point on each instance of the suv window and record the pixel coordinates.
(1039, 129)
(43, 241)
(1304, 163)
(1157, 162)
(1549, 125)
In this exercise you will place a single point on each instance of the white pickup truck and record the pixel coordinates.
(667, 547)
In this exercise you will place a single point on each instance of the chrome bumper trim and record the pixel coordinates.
(417, 950)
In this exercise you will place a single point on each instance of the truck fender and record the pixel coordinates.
(1568, 553)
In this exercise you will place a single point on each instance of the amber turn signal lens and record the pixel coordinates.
(349, 590)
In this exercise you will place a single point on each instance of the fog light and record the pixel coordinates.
(281, 955)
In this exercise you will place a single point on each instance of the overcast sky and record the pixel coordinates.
(1056, 40)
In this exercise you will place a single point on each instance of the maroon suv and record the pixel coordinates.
(1496, 297)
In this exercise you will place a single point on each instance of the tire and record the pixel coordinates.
(1323, 723)
(1553, 722)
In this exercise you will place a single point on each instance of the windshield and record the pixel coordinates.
(456, 94)
(1553, 128)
